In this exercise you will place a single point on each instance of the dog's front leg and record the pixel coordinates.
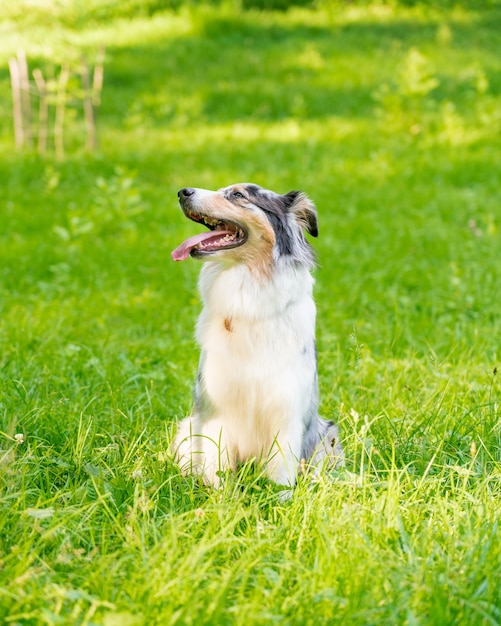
(216, 451)
(202, 448)
(283, 461)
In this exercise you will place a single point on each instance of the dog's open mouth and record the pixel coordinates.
(222, 235)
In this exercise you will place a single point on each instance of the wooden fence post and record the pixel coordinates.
(92, 97)
(88, 107)
(43, 118)
(17, 102)
(60, 110)
(25, 95)
(97, 82)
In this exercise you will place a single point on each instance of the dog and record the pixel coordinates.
(256, 392)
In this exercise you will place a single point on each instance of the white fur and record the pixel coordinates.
(272, 322)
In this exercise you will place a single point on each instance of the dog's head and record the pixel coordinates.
(248, 224)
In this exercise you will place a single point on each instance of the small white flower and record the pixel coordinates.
(19, 438)
(137, 474)
(354, 415)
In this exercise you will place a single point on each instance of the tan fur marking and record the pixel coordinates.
(227, 325)
(257, 254)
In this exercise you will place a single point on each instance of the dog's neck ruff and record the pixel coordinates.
(238, 292)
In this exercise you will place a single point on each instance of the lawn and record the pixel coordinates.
(389, 117)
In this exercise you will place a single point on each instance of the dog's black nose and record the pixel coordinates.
(185, 192)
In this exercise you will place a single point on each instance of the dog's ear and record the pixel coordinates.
(304, 211)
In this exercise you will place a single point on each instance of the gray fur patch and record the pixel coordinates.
(287, 226)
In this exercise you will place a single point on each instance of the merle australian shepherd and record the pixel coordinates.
(256, 394)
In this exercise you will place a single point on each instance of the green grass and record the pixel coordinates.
(389, 118)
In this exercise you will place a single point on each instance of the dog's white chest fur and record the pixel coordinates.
(258, 362)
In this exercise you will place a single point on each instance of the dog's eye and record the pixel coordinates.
(238, 194)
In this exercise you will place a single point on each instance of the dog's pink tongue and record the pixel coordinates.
(182, 252)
